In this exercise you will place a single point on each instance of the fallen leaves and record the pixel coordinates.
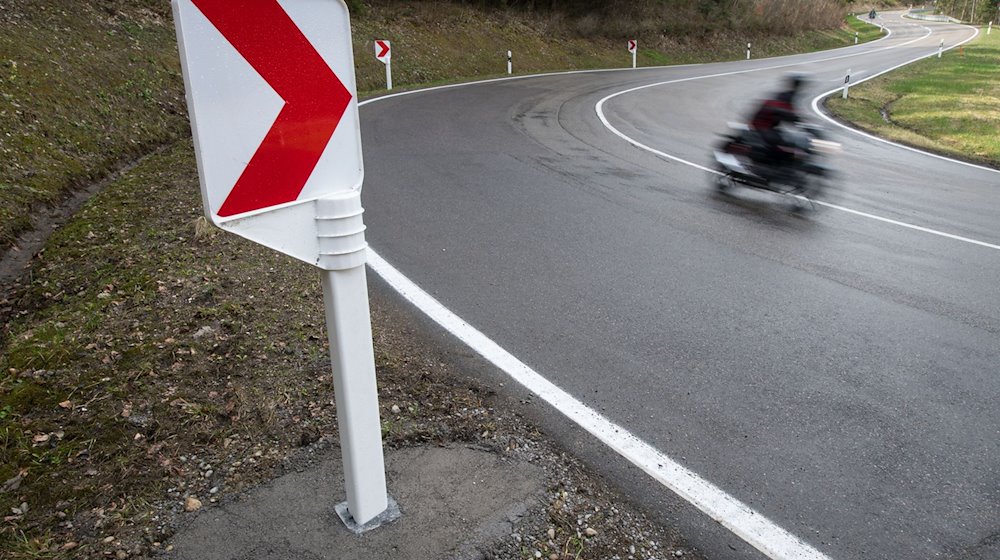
(14, 482)
(43, 438)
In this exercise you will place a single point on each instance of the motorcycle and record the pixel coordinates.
(801, 172)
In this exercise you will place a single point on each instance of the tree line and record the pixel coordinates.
(974, 11)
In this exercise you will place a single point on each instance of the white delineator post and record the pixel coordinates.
(940, 48)
(855, 37)
(388, 74)
(510, 66)
(989, 29)
(847, 82)
(342, 260)
(748, 51)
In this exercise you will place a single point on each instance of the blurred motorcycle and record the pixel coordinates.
(797, 167)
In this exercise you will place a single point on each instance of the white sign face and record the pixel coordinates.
(632, 44)
(383, 51)
(273, 106)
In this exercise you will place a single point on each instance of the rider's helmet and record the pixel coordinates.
(796, 81)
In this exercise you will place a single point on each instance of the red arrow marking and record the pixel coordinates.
(385, 48)
(631, 45)
(315, 101)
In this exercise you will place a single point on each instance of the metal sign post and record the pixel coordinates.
(348, 324)
(249, 92)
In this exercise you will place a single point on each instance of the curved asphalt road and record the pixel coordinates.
(838, 374)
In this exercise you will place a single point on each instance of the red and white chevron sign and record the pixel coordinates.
(632, 44)
(383, 51)
(272, 100)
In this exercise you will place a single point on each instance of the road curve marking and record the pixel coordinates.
(599, 108)
(746, 523)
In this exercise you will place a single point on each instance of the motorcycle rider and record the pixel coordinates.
(769, 118)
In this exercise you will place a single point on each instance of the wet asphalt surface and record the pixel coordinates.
(838, 373)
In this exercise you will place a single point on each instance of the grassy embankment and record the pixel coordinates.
(82, 92)
(148, 358)
(949, 105)
(442, 43)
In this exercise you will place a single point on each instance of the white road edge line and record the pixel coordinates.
(747, 524)
(599, 108)
(741, 520)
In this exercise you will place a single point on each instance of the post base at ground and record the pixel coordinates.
(390, 514)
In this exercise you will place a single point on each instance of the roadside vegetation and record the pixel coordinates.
(147, 359)
(438, 42)
(84, 88)
(972, 11)
(949, 105)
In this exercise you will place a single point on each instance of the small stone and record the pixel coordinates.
(551, 533)
(121, 555)
(69, 546)
(203, 332)
(678, 553)
(192, 504)
(12, 483)
(108, 540)
(590, 532)
(395, 409)
(538, 554)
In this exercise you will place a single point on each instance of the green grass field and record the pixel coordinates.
(949, 105)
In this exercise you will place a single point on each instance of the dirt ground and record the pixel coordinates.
(154, 366)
